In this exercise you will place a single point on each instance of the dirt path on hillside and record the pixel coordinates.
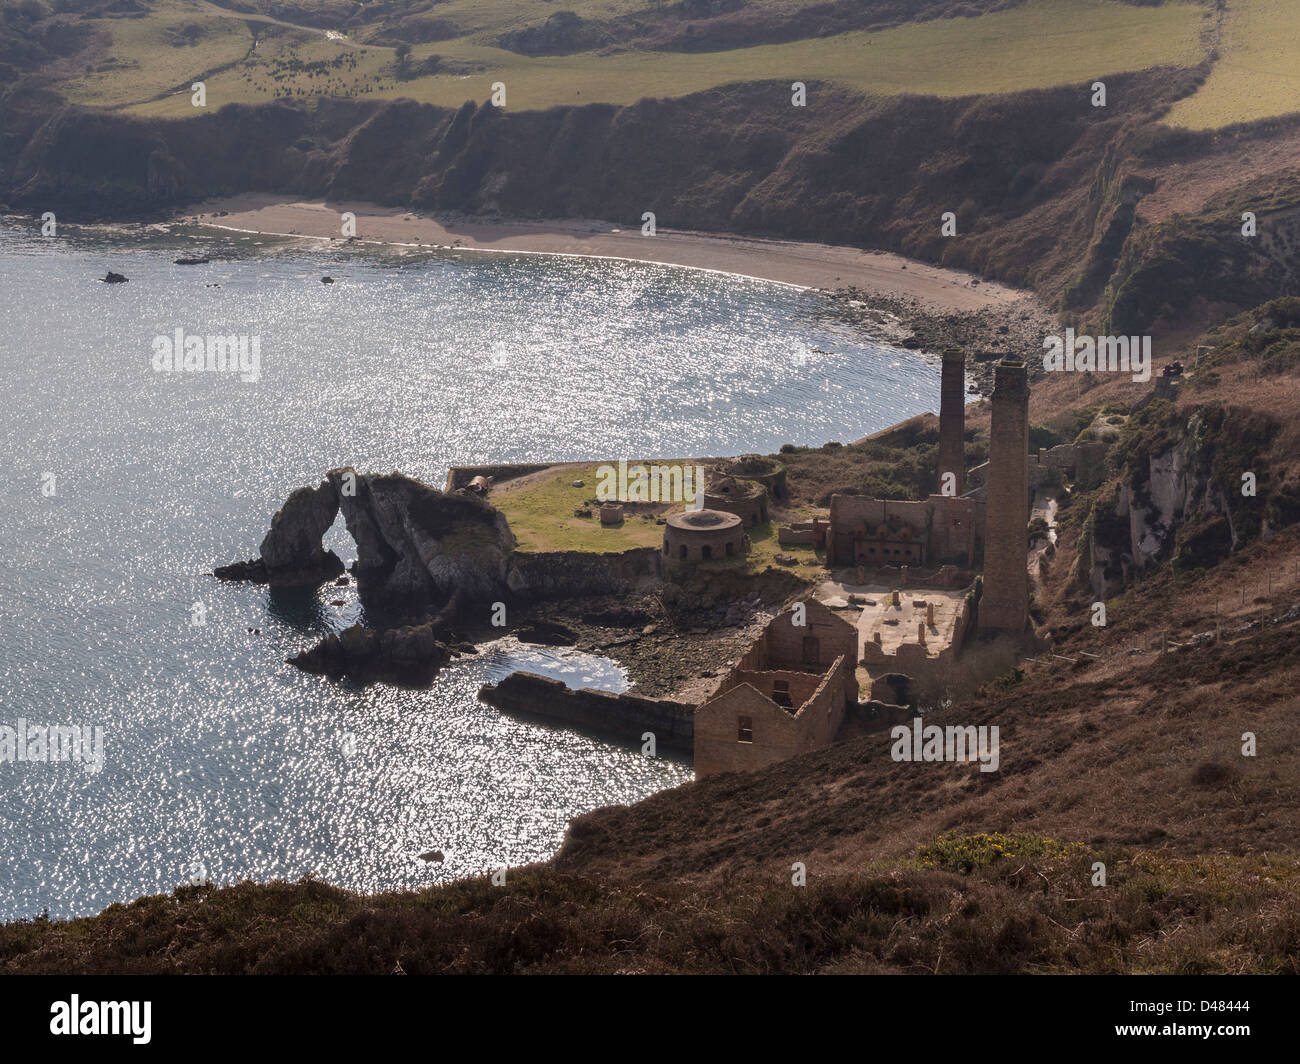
(787, 262)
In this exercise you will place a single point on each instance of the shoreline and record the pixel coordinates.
(799, 265)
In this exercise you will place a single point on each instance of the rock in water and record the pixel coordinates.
(254, 570)
(417, 548)
(420, 546)
(406, 655)
(292, 551)
(114, 278)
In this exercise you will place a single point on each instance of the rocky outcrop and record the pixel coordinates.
(627, 716)
(292, 551)
(416, 546)
(409, 654)
(292, 554)
(1180, 497)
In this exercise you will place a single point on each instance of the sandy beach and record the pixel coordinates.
(788, 262)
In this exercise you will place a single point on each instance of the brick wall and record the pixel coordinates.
(783, 642)
(948, 526)
(459, 476)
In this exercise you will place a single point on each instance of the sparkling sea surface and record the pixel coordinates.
(220, 760)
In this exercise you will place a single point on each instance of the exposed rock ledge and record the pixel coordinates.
(417, 549)
(416, 546)
(409, 654)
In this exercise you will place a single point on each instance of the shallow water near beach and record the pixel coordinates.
(125, 486)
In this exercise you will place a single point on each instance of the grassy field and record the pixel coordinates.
(1258, 70)
(541, 509)
(541, 515)
(146, 58)
(1041, 43)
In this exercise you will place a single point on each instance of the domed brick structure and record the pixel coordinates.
(701, 536)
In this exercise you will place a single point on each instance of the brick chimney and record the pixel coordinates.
(1004, 605)
(952, 419)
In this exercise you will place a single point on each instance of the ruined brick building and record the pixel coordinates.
(956, 528)
(942, 530)
(786, 696)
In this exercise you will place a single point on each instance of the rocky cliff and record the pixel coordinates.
(407, 654)
(1192, 486)
(416, 546)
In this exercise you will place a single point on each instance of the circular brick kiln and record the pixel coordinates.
(701, 536)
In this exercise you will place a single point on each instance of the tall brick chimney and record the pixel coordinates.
(1004, 606)
(952, 420)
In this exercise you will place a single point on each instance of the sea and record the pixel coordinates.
(125, 484)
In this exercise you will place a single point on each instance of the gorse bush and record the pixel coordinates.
(965, 853)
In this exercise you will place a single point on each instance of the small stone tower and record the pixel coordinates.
(952, 420)
(1004, 606)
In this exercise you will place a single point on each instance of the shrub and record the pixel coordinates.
(965, 853)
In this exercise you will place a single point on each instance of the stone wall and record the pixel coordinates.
(747, 500)
(799, 685)
(459, 476)
(689, 540)
(564, 574)
(626, 716)
(783, 643)
(760, 469)
(718, 746)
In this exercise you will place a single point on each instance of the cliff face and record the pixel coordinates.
(416, 544)
(1045, 189)
(292, 552)
(1194, 486)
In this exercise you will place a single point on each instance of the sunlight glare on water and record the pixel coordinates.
(221, 760)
